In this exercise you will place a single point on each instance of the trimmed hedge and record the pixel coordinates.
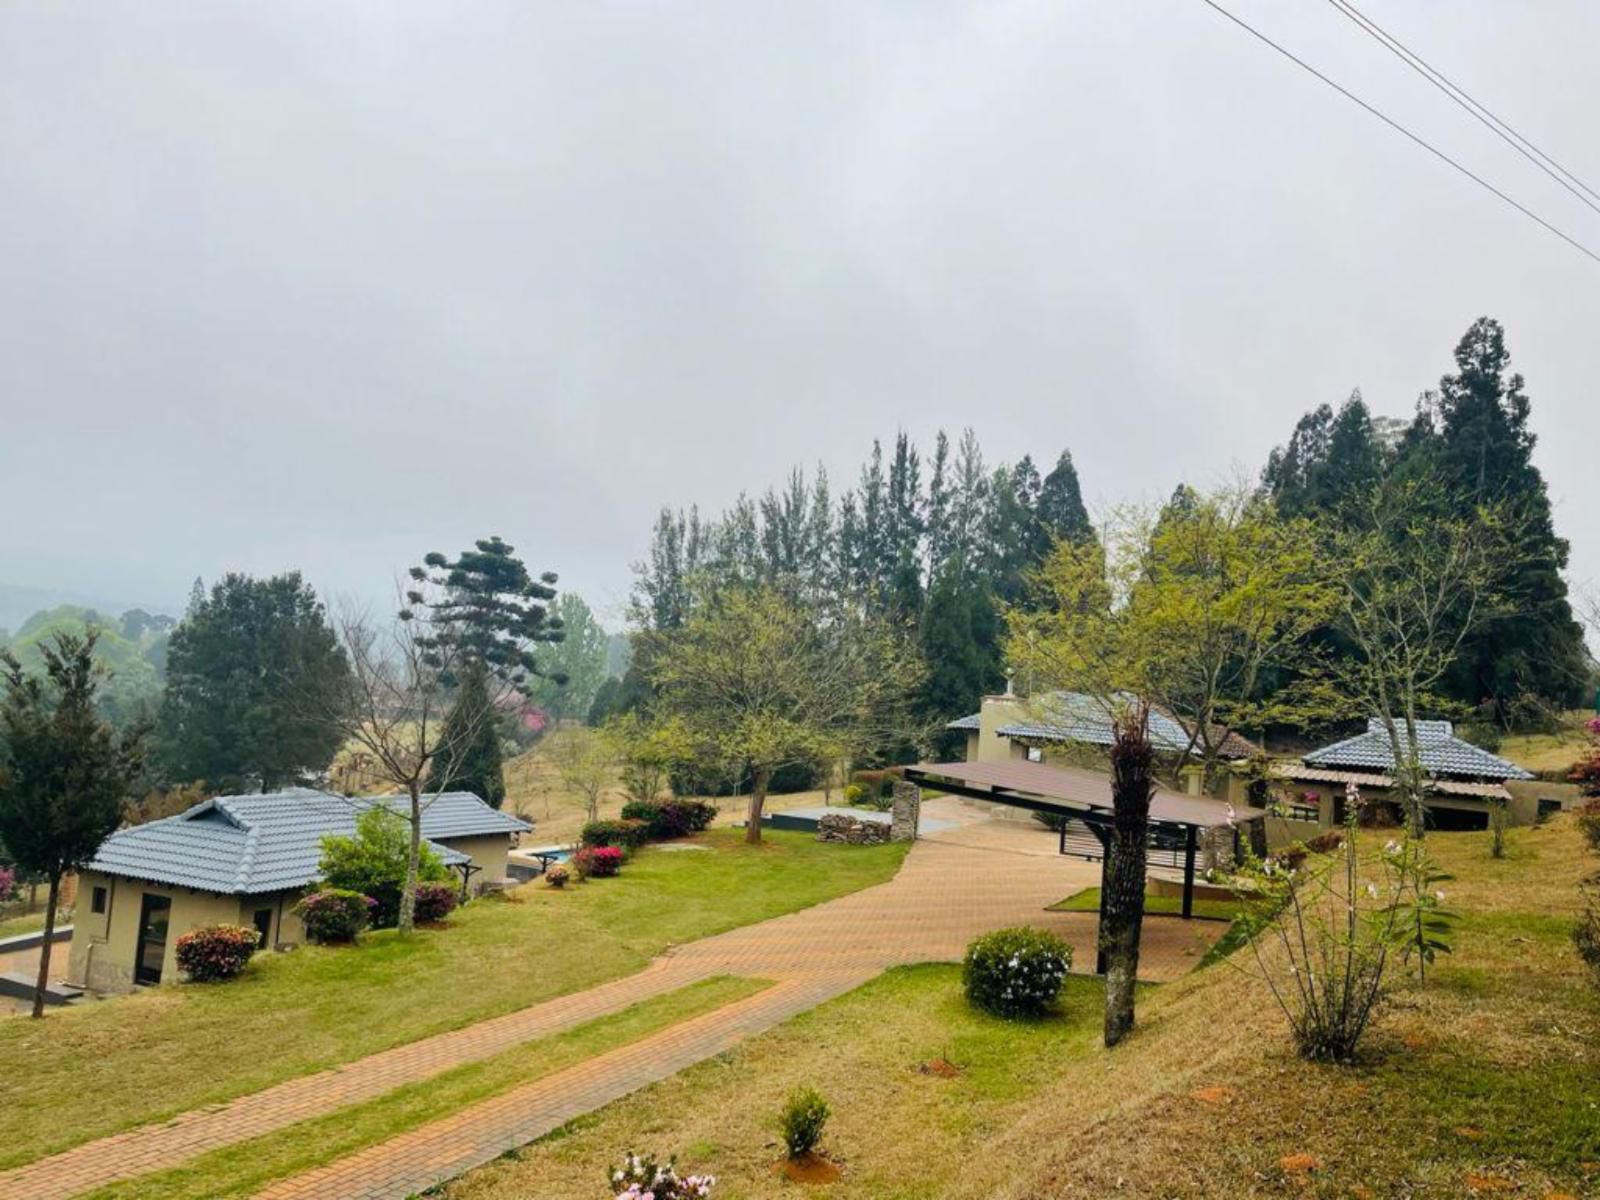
(1015, 972)
(213, 953)
(435, 901)
(628, 834)
(335, 915)
(668, 819)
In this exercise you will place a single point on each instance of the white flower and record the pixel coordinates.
(1439, 896)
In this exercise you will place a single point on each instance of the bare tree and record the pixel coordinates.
(585, 763)
(1412, 586)
(395, 710)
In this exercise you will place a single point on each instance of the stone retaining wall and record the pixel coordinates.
(842, 827)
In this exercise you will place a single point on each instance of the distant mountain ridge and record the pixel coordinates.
(18, 602)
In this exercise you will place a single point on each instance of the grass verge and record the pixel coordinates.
(90, 1071)
(1088, 900)
(242, 1169)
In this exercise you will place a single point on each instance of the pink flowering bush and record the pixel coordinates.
(597, 861)
(8, 883)
(435, 902)
(336, 915)
(557, 876)
(213, 953)
(637, 1178)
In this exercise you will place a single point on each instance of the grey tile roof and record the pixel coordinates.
(1079, 717)
(969, 722)
(1441, 752)
(254, 844)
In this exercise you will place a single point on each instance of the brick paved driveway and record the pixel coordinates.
(975, 876)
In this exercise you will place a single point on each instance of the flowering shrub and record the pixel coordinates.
(638, 1178)
(435, 901)
(215, 952)
(557, 876)
(1586, 934)
(804, 1114)
(597, 861)
(8, 883)
(1015, 972)
(669, 818)
(625, 833)
(335, 914)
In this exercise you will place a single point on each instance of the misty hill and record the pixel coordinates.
(133, 647)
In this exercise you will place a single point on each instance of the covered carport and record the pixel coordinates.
(1178, 821)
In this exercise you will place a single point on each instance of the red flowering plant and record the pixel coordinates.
(336, 915)
(597, 861)
(435, 902)
(216, 952)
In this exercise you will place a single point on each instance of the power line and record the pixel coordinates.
(1481, 113)
(1401, 129)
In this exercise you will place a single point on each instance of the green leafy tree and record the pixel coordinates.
(757, 681)
(580, 656)
(249, 668)
(64, 772)
(469, 754)
(1122, 916)
(373, 861)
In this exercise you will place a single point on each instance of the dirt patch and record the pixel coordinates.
(1214, 1095)
(1477, 1183)
(940, 1067)
(1299, 1164)
(808, 1168)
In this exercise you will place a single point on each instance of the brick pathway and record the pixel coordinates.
(978, 875)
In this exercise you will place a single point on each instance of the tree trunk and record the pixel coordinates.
(1132, 761)
(408, 895)
(758, 800)
(44, 950)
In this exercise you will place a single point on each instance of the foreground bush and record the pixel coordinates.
(628, 834)
(804, 1114)
(597, 861)
(216, 952)
(636, 1178)
(1589, 823)
(435, 901)
(335, 915)
(668, 819)
(1586, 934)
(557, 876)
(1015, 972)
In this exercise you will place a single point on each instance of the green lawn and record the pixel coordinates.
(85, 1072)
(243, 1169)
(1088, 900)
(29, 923)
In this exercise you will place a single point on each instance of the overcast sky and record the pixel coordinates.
(328, 285)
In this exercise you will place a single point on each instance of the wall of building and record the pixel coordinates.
(488, 853)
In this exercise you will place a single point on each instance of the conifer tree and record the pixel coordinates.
(469, 757)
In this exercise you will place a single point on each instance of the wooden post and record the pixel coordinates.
(1188, 871)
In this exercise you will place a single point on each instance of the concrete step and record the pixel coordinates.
(20, 986)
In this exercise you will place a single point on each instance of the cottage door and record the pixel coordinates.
(154, 913)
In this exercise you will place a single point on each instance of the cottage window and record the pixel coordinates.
(97, 900)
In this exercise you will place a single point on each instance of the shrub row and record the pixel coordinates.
(670, 818)
(627, 833)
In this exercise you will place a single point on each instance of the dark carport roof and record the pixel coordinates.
(1071, 789)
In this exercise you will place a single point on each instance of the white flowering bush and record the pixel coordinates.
(643, 1178)
(1015, 972)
